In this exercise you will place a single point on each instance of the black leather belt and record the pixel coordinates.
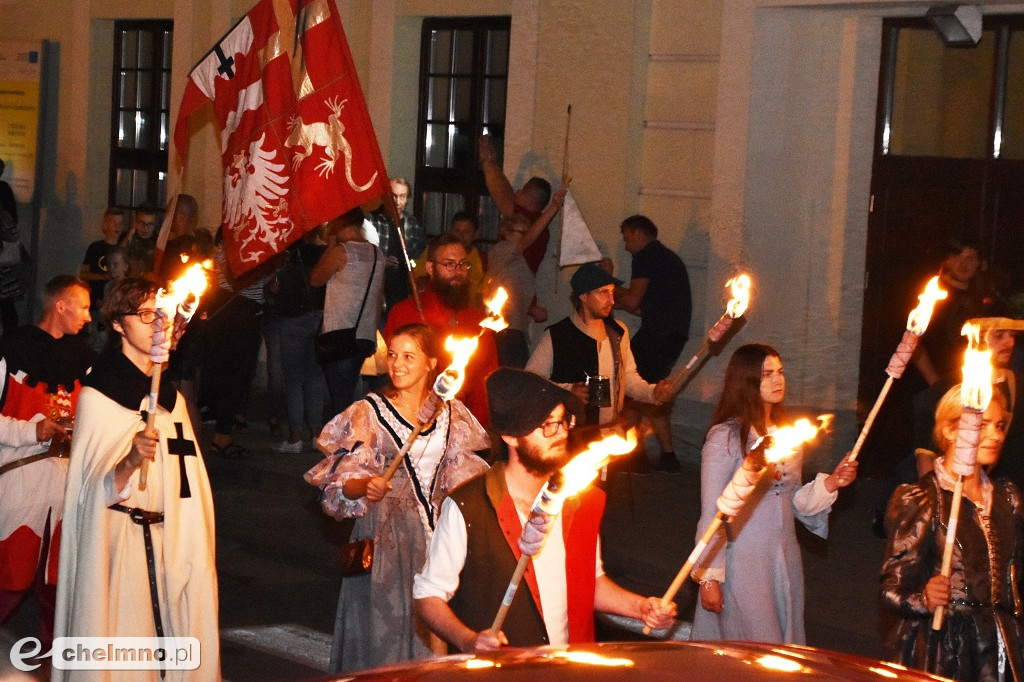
(146, 519)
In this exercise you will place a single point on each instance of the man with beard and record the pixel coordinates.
(474, 550)
(592, 343)
(447, 309)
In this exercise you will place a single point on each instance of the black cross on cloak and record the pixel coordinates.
(182, 447)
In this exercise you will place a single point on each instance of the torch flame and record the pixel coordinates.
(583, 468)
(740, 287)
(193, 283)
(787, 439)
(920, 316)
(494, 321)
(976, 389)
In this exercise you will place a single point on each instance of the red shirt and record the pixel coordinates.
(444, 321)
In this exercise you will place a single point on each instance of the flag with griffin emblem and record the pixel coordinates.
(297, 144)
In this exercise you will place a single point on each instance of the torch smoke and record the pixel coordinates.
(898, 361)
(968, 436)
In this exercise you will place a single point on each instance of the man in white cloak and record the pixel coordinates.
(136, 563)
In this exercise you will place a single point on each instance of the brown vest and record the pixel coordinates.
(493, 529)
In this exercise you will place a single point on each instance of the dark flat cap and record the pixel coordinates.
(520, 401)
(590, 276)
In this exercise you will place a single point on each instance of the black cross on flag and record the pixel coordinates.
(226, 63)
(182, 447)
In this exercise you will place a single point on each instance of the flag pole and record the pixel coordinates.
(565, 148)
(391, 209)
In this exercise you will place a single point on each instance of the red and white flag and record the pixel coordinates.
(297, 144)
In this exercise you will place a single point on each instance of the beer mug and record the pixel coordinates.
(599, 390)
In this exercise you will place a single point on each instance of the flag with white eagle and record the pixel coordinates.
(297, 145)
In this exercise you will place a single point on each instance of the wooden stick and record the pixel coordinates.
(699, 549)
(413, 435)
(510, 593)
(871, 419)
(397, 461)
(565, 148)
(691, 560)
(677, 379)
(154, 392)
(947, 552)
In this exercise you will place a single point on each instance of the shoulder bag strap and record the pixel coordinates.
(369, 284)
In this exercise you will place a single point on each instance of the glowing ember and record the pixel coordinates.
(494, 321)
(976, 389)
(787, 439)
(920, 316)
(740, 286)
(583, 468)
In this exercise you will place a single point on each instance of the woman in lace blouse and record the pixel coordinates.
(981, 634)
(753, 587)
(375, 623)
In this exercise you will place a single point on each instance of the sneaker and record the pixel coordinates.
(668, 463)
(288, 448)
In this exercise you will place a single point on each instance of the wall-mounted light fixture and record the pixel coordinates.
(959, 25)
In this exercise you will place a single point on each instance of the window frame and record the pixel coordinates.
(467, 182)
(1002, 24)
(150, 158)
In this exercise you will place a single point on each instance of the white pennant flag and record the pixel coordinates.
(578, 245)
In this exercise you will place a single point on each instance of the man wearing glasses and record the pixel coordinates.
(448, 309)
(140, 242)
(474, 550)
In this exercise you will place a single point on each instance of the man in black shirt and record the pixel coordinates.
(659, 291)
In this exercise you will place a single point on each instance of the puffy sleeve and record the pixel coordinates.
(465, 439)
(352, 439)
(812, 503)
(910, 554)
(719, 460)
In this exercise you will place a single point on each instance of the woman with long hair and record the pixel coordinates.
(751, 578)
(981, 633)
(375, 624)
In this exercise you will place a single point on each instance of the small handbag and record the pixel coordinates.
(357, 557)
(339, 344)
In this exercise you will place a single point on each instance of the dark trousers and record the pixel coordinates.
(232, 348)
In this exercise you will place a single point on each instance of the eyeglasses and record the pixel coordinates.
(549, 429)
(454, 266)
(145, 316)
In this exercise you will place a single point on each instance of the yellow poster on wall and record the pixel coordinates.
(19, 114)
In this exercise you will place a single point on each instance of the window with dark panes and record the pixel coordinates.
(463, 80)
(140, 116)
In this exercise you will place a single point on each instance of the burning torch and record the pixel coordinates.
(564, 483)
(175, 307)
(739, 287)
(450, 381)
(975, 395)
(766, 451)
(917, 323)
